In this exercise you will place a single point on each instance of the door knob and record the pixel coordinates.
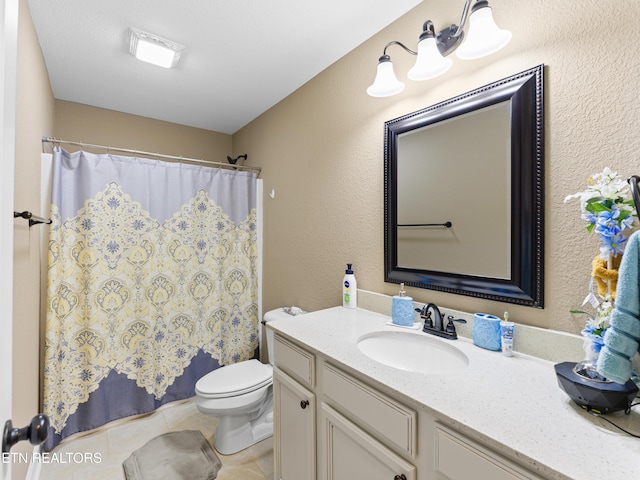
(36, 432)
(400, 477)
(304, 404)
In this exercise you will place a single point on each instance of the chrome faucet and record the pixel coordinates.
(435, 324)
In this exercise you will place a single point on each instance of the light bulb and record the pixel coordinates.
(484, 36)
(430, 62)
(386, 82)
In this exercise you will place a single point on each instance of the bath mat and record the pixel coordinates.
(173, 456)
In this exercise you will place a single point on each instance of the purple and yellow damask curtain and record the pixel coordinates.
(152, 283)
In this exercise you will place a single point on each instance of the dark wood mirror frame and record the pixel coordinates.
(524, 91)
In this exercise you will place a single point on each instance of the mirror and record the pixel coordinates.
(463, 193)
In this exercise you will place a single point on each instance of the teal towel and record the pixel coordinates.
(613, 366)
(620, 342)
(625, 321)
(622, 339)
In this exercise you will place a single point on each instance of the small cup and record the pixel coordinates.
(486, 331)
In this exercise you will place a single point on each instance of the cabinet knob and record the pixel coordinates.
(304, 404)
(400, 477)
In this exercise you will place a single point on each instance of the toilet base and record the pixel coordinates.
(237, 432)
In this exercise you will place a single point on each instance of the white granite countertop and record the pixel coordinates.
(511, 404)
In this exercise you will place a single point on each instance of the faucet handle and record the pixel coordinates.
(451, 328)
(459, 320)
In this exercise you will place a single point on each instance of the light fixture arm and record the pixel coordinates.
(457, 30)
(394, 42)
(427, 29)
(447, 39)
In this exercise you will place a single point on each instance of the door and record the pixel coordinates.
(294, 429)
(8, 54)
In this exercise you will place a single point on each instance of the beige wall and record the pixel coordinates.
(322, 150)
(83, 123)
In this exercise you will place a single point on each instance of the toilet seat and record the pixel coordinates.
(233, 380)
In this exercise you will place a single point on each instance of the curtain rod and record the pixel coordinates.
(151, 154)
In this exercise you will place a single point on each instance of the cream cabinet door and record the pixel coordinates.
(352, 454)
(294, 429)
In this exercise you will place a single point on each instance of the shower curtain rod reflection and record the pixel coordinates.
(152, 154)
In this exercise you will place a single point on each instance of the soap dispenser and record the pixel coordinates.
(349, 289)
(402, 309)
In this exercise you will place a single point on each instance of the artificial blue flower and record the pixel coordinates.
(613, 245)
(609, 217)
(590, 217)
(607, 226)
(627, 222)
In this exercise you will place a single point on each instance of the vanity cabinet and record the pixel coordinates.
(463, 425)
(332, 425)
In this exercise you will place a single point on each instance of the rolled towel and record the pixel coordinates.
(613, 366)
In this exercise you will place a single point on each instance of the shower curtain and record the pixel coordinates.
(152, 283)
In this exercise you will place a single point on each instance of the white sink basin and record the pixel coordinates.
(413, 352)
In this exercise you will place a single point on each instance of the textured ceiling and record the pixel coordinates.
(241, 57)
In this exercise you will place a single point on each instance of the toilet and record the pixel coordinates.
(241, 396)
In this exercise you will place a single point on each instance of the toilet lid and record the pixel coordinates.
(236, 379)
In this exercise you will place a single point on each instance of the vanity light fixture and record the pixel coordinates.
(154, 49)
(484, 37)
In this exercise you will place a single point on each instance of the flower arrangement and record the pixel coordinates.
(606, 210)
(608, 213)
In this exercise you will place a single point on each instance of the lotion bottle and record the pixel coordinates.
(349, 289)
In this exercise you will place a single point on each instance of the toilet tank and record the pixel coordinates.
(270, 316)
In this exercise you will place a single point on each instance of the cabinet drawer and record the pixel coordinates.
(295, 361)
(459, 458)
(389, 420)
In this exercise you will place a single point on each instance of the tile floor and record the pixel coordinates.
(115, 443)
